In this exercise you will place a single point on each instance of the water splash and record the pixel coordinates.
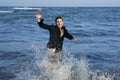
(69, 69)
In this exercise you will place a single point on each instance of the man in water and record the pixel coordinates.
(57, 34)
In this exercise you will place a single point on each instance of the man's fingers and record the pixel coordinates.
(38, 15)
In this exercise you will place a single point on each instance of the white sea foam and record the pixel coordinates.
(26, 8)
(6, 11)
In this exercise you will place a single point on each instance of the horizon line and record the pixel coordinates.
(55, 6)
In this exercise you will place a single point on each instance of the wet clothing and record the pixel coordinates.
(53, 57)
(55, 40)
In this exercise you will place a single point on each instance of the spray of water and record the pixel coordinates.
(69, 69)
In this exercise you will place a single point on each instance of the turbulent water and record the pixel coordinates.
(94, 56)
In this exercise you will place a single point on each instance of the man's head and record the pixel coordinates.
(59, 21)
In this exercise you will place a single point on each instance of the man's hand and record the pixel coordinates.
(38, 15)
(74, 39)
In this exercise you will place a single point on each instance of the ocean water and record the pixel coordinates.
(94, 56)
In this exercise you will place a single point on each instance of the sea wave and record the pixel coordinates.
(6, 11)
(26, 9)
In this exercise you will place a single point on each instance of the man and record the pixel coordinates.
(57, 34)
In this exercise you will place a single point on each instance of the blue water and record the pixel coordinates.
(94, 56)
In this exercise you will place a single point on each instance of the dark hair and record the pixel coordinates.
(58, 17)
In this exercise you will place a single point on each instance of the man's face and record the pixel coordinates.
(59, 23)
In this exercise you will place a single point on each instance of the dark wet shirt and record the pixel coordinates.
(55, 40)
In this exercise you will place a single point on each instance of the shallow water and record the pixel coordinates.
(94, 56)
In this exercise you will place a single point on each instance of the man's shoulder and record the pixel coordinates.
(64, 28)
(53, 26)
